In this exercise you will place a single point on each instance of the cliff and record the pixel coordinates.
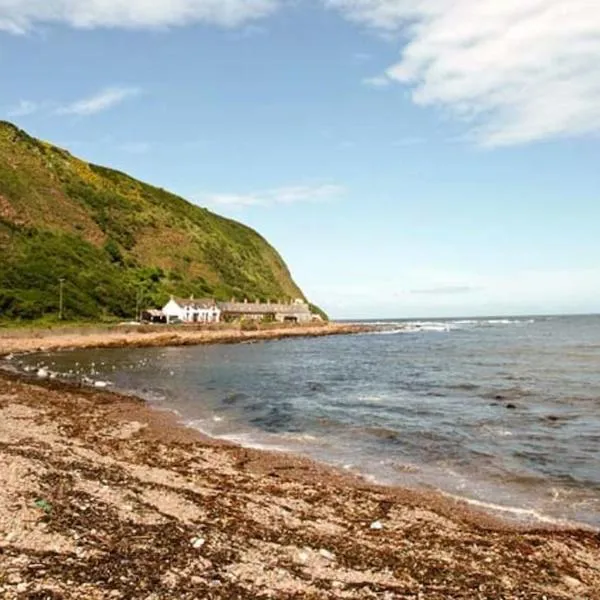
(114, 240)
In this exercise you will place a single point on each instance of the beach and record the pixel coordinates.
(143, 336)
(104, 497)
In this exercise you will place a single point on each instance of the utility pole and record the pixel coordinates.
(61, 298)
(138, 303)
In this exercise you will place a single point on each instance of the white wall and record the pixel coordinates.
(172, 309)
(202, 315)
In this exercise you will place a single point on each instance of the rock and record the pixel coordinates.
(101, 384)
(14, 579)
(511, 406)
(326, 554)
(571, 581)
(376, 525)
(198, 542)
(21, 588)
(42, 373)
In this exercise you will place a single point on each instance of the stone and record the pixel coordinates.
(326, 554)
(376, 525)
(571, 581)
(198, 542)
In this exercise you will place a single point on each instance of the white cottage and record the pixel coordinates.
(192, 311)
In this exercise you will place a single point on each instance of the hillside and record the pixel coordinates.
(116, 241)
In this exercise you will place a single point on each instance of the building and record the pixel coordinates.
(153, 315)
(192, 311)
(294, 312)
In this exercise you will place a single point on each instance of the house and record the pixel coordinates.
(153, 315)
(294, 312)
(192, 311)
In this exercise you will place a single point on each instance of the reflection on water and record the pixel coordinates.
(502, 411)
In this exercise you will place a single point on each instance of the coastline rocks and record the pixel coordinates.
(198, 542)
(326, 554)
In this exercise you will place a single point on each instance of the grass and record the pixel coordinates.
(118, 243)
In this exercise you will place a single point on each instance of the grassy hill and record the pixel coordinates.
(114, 240)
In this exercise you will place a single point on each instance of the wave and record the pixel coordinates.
(520, 513)
(441, 326)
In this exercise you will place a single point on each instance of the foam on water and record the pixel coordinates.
(521, 514)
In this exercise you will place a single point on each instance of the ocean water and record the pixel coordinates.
(502, 412)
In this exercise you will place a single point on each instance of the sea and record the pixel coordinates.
(501, 412)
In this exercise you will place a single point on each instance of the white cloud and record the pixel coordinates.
(103, 100)
(284, 195)
(19, 16)
(409, 141)
(23, 109)
(515, 70)
(379, 81)
(361, 57)
(446, 289)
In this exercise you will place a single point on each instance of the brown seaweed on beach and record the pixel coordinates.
(103, 498)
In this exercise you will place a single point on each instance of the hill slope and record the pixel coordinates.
(114, 239)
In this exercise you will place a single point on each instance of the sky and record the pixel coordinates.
(408, 158)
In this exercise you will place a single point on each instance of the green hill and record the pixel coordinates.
(114, 240)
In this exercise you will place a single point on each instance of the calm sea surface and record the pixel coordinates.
(503, 412)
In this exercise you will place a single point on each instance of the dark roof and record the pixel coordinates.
(263, 308)
(201, 303)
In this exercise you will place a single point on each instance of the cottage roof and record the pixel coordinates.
(201, 303)
(263, 308)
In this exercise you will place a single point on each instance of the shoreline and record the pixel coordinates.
(299, 529)
(477, 511)
(133, 336)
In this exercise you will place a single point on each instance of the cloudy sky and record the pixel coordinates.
(407, 157)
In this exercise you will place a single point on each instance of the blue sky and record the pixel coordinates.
(408, 159)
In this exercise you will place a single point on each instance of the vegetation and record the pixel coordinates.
(118, 243)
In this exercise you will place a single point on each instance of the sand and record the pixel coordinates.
(136, 336)
(103, 497)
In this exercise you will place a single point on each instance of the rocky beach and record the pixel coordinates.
(13, 341)
(104, 497)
